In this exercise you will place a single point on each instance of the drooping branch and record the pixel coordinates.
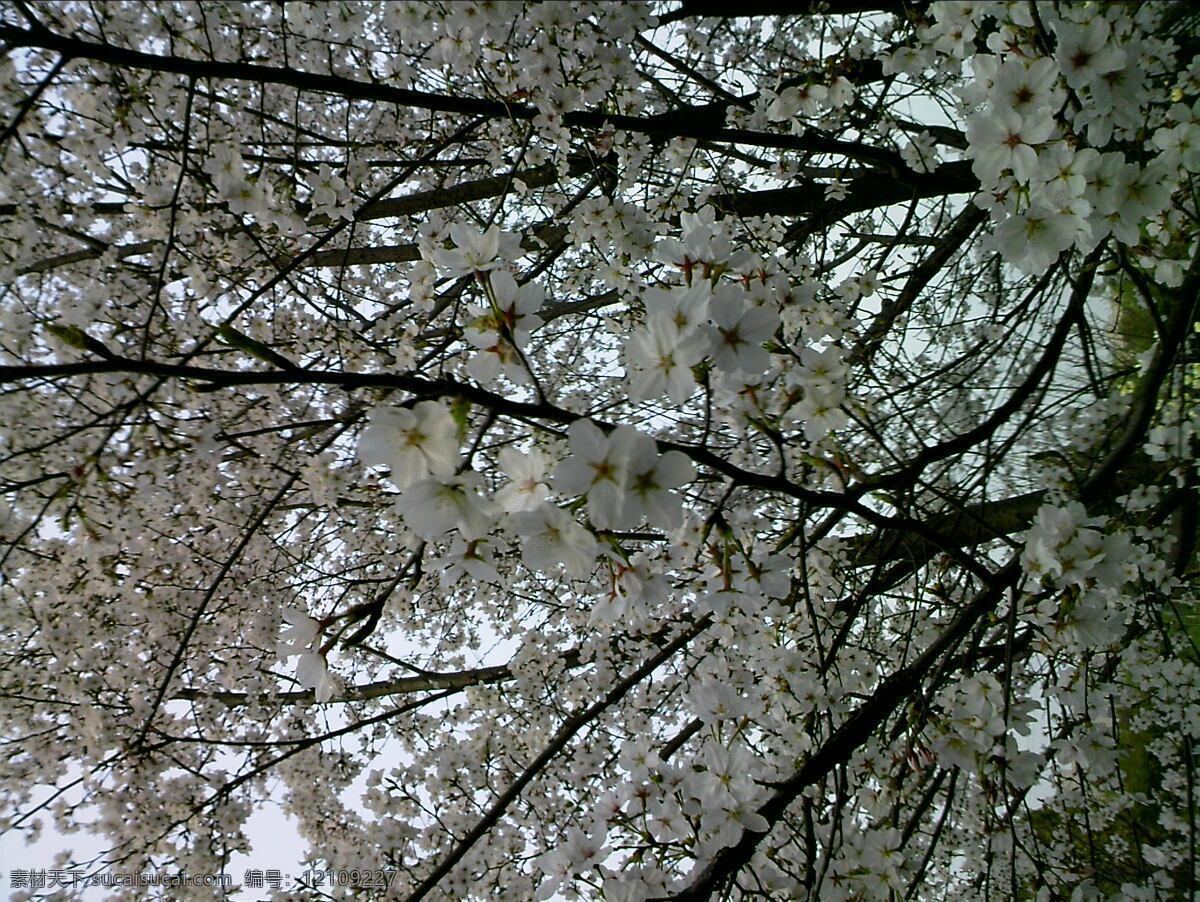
(1049, 359)
(248, 533)
(1147, 396)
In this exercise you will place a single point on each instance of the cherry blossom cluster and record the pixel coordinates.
(1044, 129)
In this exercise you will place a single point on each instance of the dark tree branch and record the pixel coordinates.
(553, 748)
(678, 124)
(418, 386)
(955, 239)
(689, 9)
(851, 735)
(28, 102)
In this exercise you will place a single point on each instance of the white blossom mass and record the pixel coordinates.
(650, 450)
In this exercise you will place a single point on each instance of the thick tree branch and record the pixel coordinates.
(418, 386)
(982, 522)
(852, 734)
(865, 192)
(459, 679)
(677, 125)
(688, 9)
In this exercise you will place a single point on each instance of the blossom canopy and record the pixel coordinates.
(634, 451)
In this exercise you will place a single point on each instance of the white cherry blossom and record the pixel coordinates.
(413, 444)
(552, 540)
(1084, 54)
(798, 100)
(432, 507)
(738, 332)
(501, 332)
(650, 478)
(526, 471)
(625, 478)
(312, 672)
(475, 252)
(597, 467)
(299, 634)
(1002, 140)
(576, 853)
(661, 357)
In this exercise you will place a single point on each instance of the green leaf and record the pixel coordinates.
(75, 337)
(460, 409)
(69, 335)
(243, 342)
